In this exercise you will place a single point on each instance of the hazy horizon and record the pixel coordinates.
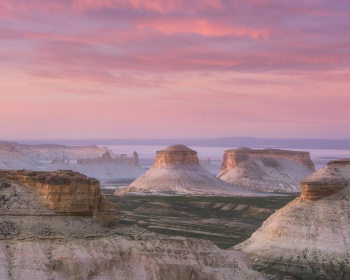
(249, 142)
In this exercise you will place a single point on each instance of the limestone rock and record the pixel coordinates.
(325, 183)
(310, 237)
(175, 154)
(67, 192)
(36, 242)
(107, 158)
(268, 170)
(176, 170)
(93, 161)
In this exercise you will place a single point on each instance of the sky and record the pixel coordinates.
(74, 69)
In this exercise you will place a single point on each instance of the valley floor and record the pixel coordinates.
(226, 221)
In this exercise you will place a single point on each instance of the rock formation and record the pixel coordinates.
(67, 192)
(47, 152)
(90, 160)
(176, 170)
(268, 170)
(106, 158)
(11, 158)
(42, 238)
(310, 237)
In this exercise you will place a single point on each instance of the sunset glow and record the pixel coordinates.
(174, 69)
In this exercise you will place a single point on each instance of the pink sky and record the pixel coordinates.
(174, 69)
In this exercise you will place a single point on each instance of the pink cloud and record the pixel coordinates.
(259, 68)
(203, 27)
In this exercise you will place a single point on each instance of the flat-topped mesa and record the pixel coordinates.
(268, 170)
(327, 181)
(176, 169)
(235, 156)
(175, 154)
(68, 192)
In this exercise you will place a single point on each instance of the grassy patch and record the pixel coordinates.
(226, 221)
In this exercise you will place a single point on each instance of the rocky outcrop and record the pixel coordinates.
(176, 170)
(327, 183)
(48, 152)
(175, 154)
(106, 158)
(310, 237)
(67, 192)
(233, 157)
(11, 158)
(91, 160)
(268, 170)
(37, 242)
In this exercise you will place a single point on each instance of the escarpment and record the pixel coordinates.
(93, 161)
(107, 158)
(327, 183)
(310, 237)
(67, 192)
(175, 154)
(176, 169)
(268, 170)
(233, 157)
(43, 237)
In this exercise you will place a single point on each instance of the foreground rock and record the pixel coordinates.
(310, 237)
(64, 192)
(42, 238)
(266, 170)
(176, 170)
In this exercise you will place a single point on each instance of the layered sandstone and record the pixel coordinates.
(37, 242)
(268, 170)
(67, 192)
(233, 157)
(328, 183)
(176, 169)
(175, 154)
(310, 237)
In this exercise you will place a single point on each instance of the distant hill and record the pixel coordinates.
(251, 142)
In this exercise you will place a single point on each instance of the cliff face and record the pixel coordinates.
(327, 183)
(47, 152)
(310, 237)
(175, 154)
(11, 158)
(39, 241)
(90, 160)
(233, 157)
(67, 192)
(266, 170)
(106, 158)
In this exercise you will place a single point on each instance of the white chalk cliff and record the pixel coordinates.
(176, 170)
(49, 230)
(310, 237)
(90, 160)
(268, 170)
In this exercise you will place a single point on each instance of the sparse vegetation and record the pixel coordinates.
(226, 221)
(4, 185)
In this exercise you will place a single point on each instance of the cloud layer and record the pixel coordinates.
(132, 68)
